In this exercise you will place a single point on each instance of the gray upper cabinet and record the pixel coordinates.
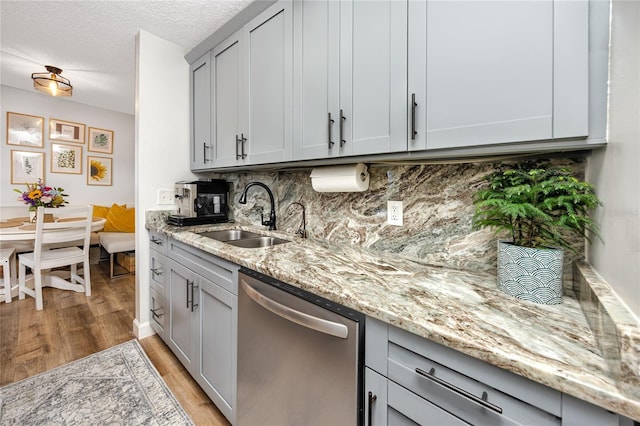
(491, 72)
(401, 79)
(227, 79)
(248, 108)
(268, 85)
(350, 78)
(201, 143)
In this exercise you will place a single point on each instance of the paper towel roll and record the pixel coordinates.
(347, 178)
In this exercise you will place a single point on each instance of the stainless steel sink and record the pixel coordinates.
(258, 242)
(229, 235)
(244, 239)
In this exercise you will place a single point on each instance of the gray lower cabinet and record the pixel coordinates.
(202, 326)
(411, 380)
(157, 283)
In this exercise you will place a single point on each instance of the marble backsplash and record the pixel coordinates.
(437, 202)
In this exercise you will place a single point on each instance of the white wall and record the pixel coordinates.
(162, 144)
(39, 104)
(615, 171)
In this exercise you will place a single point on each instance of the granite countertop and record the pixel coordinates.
(551, 345)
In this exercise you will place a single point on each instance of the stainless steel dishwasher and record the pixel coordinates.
(300, 357)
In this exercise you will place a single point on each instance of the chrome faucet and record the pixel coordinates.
(302, 229)
(272, 215)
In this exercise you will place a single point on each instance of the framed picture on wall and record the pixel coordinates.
(27, 166)
(66, 131)
(99, 171)
(100, 140)
(66, 159)
(25, 130)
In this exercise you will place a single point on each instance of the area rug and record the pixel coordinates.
(117, 386)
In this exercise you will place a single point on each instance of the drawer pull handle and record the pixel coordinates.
(156, 271)
(342, 120)
(413, 117)
(331, 121)
(372, 399)
(480, 401)
(155, 314)
(154, 240)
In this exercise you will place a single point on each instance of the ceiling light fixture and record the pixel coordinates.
(52, 83)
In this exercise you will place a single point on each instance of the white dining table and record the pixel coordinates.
(21, 234)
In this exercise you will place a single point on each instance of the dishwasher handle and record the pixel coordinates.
(290, 314)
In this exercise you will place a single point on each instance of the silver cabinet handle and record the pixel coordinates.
(331, 121)
(156, 271)
(413, 116)
(342, 119)
(156, 241)
(193, 288)
(238, 141)
(189, 285)
(155, 314)
(482, 401)
(305, 320)
(244, 140)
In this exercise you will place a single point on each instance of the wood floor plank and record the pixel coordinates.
(72, 326)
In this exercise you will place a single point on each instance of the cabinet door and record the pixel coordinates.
(373, 76)
(482, 72)
(218, 327)
(375, 398)
(226, 101)
(268, 85)
(181, 319)
(316, 78)
(200, 113)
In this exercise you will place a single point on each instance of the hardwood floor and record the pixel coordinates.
(72, 326)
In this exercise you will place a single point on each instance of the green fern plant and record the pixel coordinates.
(538, 204)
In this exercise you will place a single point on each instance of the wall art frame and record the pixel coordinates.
(25, 130)
(99, 171)
(66, 158)
(26, 166)
(100, 140)
(66, 131)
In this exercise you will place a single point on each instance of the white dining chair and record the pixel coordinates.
(42, 259)
(7, 260)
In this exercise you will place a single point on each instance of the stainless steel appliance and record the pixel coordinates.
(200, 202)
(300, 357)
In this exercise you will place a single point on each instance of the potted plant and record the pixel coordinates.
(541, 207)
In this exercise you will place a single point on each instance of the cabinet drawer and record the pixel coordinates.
(158, 242)
(412, 371)
(405, 408)
(219, 271)
(158, 272)
(506, 382)
(159, 312)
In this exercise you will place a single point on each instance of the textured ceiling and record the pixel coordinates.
(94, 41)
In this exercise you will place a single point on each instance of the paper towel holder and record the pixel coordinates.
(341, 178)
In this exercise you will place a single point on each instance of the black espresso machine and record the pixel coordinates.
(200, 202)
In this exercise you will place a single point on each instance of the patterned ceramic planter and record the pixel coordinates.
(530, 274)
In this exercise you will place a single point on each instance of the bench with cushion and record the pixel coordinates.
(117, 242)
(118, 234)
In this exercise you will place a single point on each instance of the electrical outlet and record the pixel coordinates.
(394, 213)
(166, 196)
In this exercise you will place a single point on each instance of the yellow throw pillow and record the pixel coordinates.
(120, 219)
(100, 211)
(103, 211)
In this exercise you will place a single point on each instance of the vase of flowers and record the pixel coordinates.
(38, 194)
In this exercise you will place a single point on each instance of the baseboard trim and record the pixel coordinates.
(142, 330)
